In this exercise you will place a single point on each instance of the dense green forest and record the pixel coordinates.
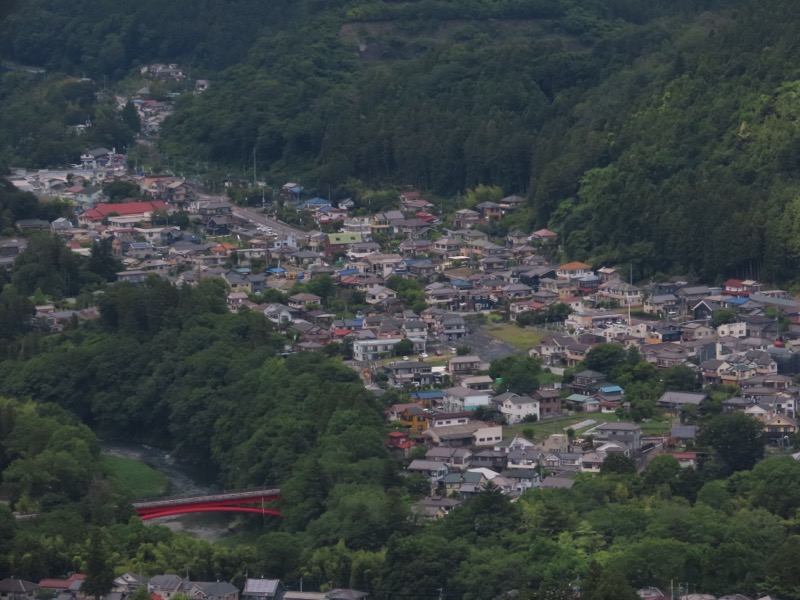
(662, 135)
(173, 367)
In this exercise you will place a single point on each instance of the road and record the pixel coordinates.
(255, 217)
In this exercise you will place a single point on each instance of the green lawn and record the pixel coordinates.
(523, 339)
(547, 427)
(141, 480)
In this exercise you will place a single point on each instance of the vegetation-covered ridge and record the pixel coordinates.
(662, 135)
(174, 366)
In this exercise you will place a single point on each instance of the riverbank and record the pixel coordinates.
(141, 480)
(181, 480)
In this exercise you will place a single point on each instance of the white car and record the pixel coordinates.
(424, 355)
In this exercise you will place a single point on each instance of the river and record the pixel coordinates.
(184, 480)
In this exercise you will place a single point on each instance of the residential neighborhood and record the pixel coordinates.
(166, 587)
(409, 299)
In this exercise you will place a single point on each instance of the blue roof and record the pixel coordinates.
(737, 300)
(428, 394)
(611, 389)
(461, 283)
(276, 270)
(345, 272)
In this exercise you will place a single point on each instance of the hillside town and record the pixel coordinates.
(166, 587)
(738, 334)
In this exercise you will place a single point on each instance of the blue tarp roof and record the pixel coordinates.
(611, 389)
(737, 300)
(428, 395)
(276, 270)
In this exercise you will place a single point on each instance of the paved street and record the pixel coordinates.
(254, 216)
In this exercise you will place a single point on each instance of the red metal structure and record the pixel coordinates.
(251, 501)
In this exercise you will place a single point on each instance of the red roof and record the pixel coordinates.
(684, 455)
(733, 283)
(123, 209)
(61, 584)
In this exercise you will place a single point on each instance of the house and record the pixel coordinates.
(465, 218)
(544, 236)
(465, 484)
(18, 589)
(454, 458)
(627, 433)
(128, 583)
(336, 243)
(378, 293)
(280, 313)
(434, 507)
(684, 433)
(523, 479)
(71, 585)
(303, 299)
(489, 210)
(165, 586)
(369, 350)
(573, 270)
(405, 372)
(666, 304)
(460, 398)
(473, 433)
(434, 470)
(460, 366)
(587, 382)
(9, 249)
(517, 408)
(674, 401)
(263, 589)
(211, 590)
(345, 594)
(400, 442)
(139, 211)
(779, 428)
(549, 402)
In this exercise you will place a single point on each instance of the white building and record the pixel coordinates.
(515, 408)
(367, 350)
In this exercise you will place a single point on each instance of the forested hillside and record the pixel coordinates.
(174, 367)
(660, 134)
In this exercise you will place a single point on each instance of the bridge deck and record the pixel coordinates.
(221, 497)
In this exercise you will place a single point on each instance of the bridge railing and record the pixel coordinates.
(221, 497)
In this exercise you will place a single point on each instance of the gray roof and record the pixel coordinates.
(426, 465)
(345, 594)
(214, 588)
(682, 398)
(17, 586)
(557, 482)
(684, 431)
(165, 582)
(261, 587)
(618, 427)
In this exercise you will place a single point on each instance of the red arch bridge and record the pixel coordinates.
(260, 502)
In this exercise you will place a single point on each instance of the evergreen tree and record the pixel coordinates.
(99, 570)
(131, 117)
